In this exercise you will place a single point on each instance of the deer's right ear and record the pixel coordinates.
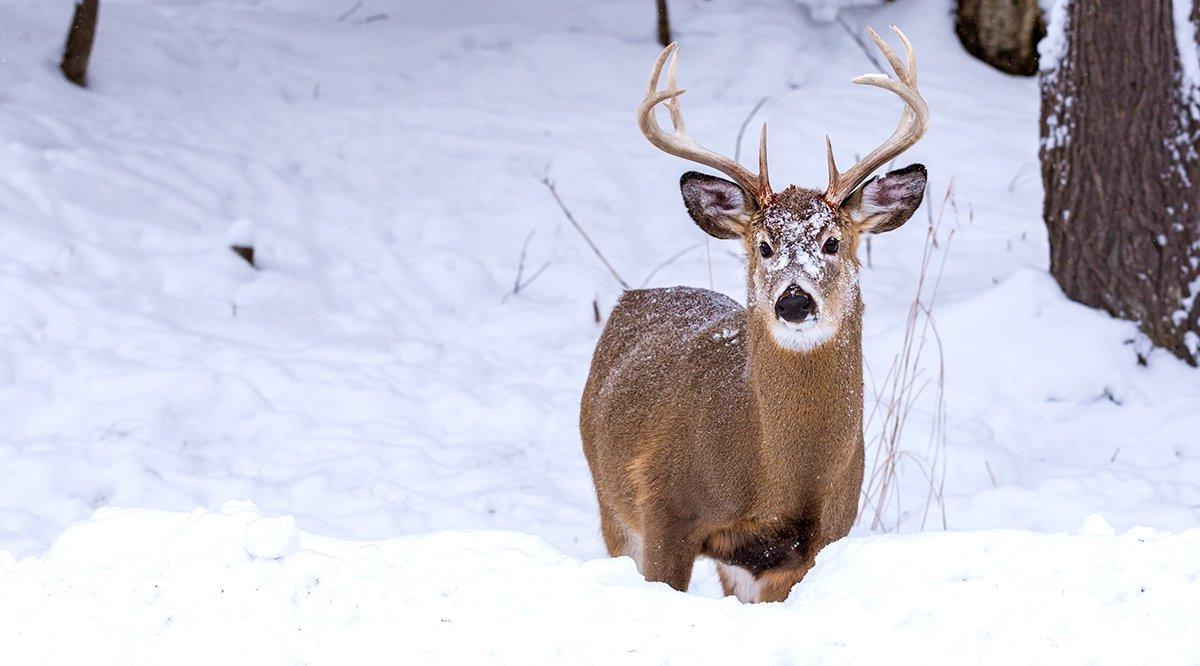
(720, 207)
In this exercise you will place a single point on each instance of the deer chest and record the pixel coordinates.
(760, 547)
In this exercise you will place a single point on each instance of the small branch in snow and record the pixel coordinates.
(521, 263)
(571, 218)
(862, 45)
(668, 262)
(541, 269)
(245, 252)
(991, 475)
(518, 283)
(596, 308)
(350, 12)
(737, 149)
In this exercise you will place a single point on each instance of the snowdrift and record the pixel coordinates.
(134, 586)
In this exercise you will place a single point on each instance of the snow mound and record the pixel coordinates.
(146, 586)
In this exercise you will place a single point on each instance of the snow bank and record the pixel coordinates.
(144, 586)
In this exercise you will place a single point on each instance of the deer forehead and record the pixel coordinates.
(804, 221)
(798, 226)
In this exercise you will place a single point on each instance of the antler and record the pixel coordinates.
(913, 121)
(681, 144)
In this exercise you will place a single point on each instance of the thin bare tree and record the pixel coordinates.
(664, 24)
(78, 49)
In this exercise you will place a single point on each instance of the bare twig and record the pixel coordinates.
(991, 475)
(541, 269)
(521, 262)
(571, 218)
(902, 386)
(349, 12)
(518, 283)
(668, 262)
(737, 149)
(861, 44)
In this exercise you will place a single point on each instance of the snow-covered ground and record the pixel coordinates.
(377, 379)
(234, 587)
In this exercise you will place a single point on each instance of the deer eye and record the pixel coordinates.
(831, 246)
(764, 248)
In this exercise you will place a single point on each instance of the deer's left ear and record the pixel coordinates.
(886, 202)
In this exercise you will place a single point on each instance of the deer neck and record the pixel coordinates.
(808, 405)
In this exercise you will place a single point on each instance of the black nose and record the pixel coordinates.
(794, 305)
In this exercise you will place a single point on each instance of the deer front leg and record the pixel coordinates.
(669, 552)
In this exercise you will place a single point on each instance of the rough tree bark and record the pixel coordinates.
(1002, 33)
(664, 24)
(78, 49)
(1120, 130)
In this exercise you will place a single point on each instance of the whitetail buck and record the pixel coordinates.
(736, 433)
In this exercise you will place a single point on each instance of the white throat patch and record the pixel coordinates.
(805, 336)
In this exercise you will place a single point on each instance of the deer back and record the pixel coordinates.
(666, 402)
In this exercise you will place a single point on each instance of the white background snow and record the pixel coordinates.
(408, 427)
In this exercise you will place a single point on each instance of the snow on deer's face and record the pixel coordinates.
(803, 274)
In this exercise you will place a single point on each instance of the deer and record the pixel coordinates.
(736, 433)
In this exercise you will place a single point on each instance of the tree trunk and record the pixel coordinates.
(664, 24)
(78, 49)
(1120, 153)
(1002, 33)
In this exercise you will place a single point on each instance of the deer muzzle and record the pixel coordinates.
(795, 305)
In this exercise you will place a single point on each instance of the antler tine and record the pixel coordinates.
(764, 179)
(656, 72)
(909, 53)
(913, 120)
(898, 67)
(672, 104)
(680, 143)
(833, 170)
